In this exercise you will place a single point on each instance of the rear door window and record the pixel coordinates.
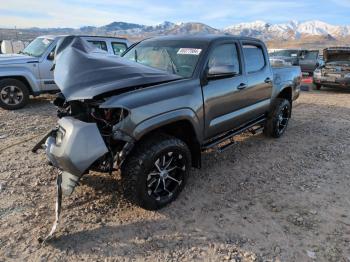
(225, 55)
(99, 44)
(254, 58)
(118, 48)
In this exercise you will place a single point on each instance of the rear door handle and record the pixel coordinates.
(268, 80)
(242, 86)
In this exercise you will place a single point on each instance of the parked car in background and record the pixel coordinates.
(290, 56)
(279, 62)
(29, 72)
(12, 46)
(308, 60)
(336, 70)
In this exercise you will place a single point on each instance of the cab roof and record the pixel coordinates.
(203, 38)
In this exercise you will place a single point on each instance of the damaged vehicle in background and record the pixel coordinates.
(153, 111)
(336, 70)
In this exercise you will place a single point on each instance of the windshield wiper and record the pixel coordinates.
(25, 53)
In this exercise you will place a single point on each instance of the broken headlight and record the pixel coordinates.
(60, 135)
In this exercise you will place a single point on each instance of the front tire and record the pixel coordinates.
(14, 94)
(157, 171)
(278, 118)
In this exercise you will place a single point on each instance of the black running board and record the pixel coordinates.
(221, 138)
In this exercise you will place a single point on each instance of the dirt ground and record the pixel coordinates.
(261, 200)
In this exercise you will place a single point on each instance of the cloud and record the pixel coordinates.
(76, 14)
(218, 13)
(343, 3)
(250, 8)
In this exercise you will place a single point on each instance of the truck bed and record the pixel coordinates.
(288, 75)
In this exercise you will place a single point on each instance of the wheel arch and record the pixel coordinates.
(181, 124)
(286, 93)
(23, 79)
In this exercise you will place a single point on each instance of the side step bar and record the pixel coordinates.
(232, 133)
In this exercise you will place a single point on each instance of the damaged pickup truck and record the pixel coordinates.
(336, 70)
(153, 111)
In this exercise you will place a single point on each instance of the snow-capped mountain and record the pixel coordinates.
(292, 29)
(192, 28)
(322, 28)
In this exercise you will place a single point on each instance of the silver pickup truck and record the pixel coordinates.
(29, 73)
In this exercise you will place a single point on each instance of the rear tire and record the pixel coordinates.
(157, 171)
(278, 118)
(14, 94)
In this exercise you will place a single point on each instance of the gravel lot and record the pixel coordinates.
(261, 200)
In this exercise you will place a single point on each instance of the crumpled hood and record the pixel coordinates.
(336, 54)
(83, 72)
(7, 59)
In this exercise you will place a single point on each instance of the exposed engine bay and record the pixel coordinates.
(337, 61)
(341, 68)
(108, 123)
(336, 70)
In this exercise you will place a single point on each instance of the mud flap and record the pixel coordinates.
(57, 210)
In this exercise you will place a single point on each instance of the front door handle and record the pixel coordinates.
(268, 80)
(241, 86)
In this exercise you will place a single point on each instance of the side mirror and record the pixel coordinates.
(51, 55)
(221, 72)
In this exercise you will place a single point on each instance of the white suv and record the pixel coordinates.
(29, 73)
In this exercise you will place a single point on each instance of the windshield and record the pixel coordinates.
(37, 47)
(285, 53)
(175, 57)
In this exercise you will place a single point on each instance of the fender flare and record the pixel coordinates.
(284, 85)
(163, 119)
(33, 85)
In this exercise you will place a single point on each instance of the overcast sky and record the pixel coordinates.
(216, 13)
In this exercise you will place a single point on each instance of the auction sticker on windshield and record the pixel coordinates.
(189, 51)
(46, 41)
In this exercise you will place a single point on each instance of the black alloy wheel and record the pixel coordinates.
(166, 176)
(157, 171)
(278, 118)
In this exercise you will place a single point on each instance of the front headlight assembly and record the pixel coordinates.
(60, 135)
